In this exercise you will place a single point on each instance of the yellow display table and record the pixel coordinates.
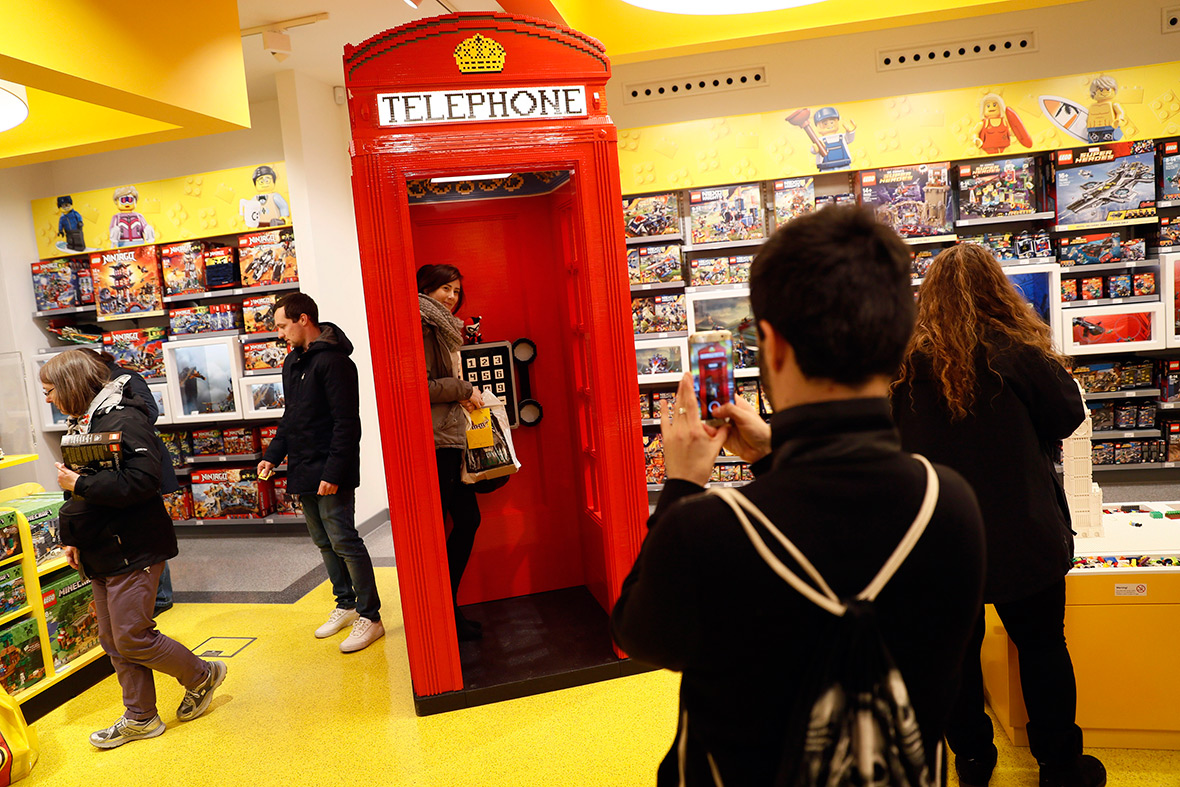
(1122, 625)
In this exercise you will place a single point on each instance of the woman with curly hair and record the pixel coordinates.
(982, 390)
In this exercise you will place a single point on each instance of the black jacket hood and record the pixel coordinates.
(331, 339)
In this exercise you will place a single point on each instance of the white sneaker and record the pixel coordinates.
(364, 633)
(336, 621)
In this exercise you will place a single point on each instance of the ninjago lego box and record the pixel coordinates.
(12, 588)
(259, 313)
(207, 442)
(127, 282)
(190, 320)
(83, 280)
(267, 354)
(265, 435)
(20, 649)
(998, 188)
(915, 200)
(184, 267)
(140, 350)
(179, 447)
(70, 615)
(285, 504)
(267, 258)
(227, 492)
(221, 268)
(239, 440)
(179, 504)
(1105, 184)
(54, 285)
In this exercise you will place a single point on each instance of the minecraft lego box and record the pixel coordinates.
(726, 213)
(127, 281)
(259, 314)
(268, 354)
(139, 350)
(221, 268)
(54, 285)
(268, 258)
(915, 200)
(70, 616)
(9, 535)
(654, 214)
(998, 188)
(24, 663)
(12, 589)
(184, 267)
(41, 511)
(1105, 184)
(230, 492)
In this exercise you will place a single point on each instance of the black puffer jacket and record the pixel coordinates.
(117, 519)
(320, 432)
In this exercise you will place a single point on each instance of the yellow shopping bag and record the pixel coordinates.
(18, 743)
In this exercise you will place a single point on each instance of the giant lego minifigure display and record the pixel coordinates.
(463, 95)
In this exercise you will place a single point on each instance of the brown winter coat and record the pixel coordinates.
(446, 391)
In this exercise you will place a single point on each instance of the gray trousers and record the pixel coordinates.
(124, 605)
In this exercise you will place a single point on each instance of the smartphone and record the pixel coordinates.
(710, 356)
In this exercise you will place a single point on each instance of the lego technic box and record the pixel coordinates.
(54, 285)
(998, 188)
(259, 313)
(726, 213)
(264, 355)
(139, 350)
(230, 492)
(915, 200)
(268, 258)
(1169, 190)
(20, 653)
(70, 616)
(127, 282)
(184, 267)
(658, 314)
(793, 198)
(1105, 184)
(651, 215)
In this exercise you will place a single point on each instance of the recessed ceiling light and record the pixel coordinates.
(14, 105)
(714, 8)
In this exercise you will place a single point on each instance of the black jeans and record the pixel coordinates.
(458, 500)
(1037, 627)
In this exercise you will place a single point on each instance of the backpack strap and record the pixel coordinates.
(824, 597)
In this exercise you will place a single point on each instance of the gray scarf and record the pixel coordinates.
(108, 398)
(450, 327)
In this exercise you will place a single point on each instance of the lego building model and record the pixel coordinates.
(1082, 494)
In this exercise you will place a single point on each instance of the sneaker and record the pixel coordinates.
(1085, 771)
(975, 772)
(336, 621)
(364, 633)
(125, 730)
(196, 701)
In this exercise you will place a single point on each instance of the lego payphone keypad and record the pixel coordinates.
(489, 366)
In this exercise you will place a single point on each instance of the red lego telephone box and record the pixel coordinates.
(488, 93)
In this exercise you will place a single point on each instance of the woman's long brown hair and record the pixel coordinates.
(966, 302)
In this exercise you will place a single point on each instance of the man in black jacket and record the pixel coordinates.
(320, 435)
(831, 296)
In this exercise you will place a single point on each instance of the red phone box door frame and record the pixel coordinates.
(486, 93)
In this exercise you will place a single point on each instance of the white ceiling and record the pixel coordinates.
(318, 49)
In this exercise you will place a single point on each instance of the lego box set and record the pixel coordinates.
(998, 188)
(127, 282)
(70, 614)
(268, 258)
(915, 201)
(1105, 184)
(184, 267)
(140, 350)
(652, 215)
(228, 492)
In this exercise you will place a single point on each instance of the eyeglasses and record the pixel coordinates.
(48, 391)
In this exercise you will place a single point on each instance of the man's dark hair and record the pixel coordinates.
(431, 277)
(836, 285)
(264, 170)
(66, 200)
(297, 304)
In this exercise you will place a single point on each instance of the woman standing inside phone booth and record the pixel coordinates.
(440, 294)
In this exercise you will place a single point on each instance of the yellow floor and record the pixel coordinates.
(294, 710)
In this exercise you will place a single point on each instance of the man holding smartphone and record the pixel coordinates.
(320, 435)
(832, 301)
